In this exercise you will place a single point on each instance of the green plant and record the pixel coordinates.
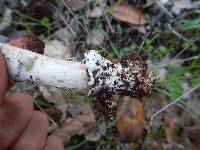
(43, 22)
(173, 82)
(78, 96)
(44, 103)
(185, 25)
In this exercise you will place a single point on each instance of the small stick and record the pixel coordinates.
(108, 22)
(99, 76)
(169, 14)
(175, 101)
(177, 33)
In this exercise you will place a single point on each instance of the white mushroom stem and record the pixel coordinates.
(24, 65)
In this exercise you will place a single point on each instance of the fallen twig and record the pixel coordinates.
(173, 102)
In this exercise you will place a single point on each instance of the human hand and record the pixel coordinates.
(21, 127)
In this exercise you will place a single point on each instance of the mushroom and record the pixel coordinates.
(99, 76)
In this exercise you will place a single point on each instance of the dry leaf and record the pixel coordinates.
(95, 12)
(175, 125)
(93, 136)
(141, 29)
(193, 133)
(129, 14)
(76, 5)
(174, 133)
(130, 124)
(30, 42)
(76, 126)
(95, 38)
(56, 49)
(54, 113)
(179, 5)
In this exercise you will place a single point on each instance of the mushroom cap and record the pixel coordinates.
(131, 77)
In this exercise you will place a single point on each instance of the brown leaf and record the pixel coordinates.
(174, 132)
(129, 14)
(39, 9)
(76, 4)
(30, 42)
(54, 113)
(130, 124)
(193, 133)
(76, 126)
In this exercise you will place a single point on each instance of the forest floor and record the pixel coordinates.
(165, 33)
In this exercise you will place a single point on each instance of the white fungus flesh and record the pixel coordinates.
(26, 66)
(129, 77)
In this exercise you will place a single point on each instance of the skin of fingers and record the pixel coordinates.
(54, 143)
(15, 112)
(3, 77)
(34, 135)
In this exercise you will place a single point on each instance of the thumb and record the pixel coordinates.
(3, 77)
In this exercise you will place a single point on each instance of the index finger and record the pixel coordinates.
(3, 77)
